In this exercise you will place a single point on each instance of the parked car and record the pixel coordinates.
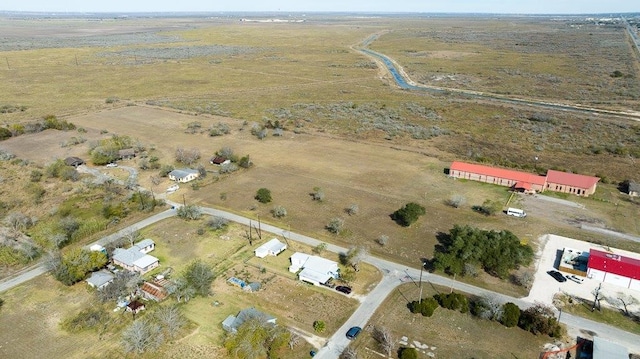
(111, 165)
(173, 188)
(343, 289)
(353, 332)
(557, 276)
(575, 278)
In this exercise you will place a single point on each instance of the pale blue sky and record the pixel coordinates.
(464, 6)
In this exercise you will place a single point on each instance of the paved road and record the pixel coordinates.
(394, 274)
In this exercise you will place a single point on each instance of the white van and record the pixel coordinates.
(516, 212)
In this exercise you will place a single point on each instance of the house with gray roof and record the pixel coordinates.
(184, 175)
(136, 258)
(634, 189)
(100, 279)
(232, 322)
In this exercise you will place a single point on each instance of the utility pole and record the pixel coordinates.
(420, 295)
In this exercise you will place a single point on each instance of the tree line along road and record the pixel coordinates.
(393, 276)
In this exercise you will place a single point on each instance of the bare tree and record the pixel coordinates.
(142, 336)
(183, 291)
(131, 236)
(216, 222)
(489, 307)
(355, 255)
(456, 201)
(187, 157)
(124, 283)
(349, 353)
(58, 240)
(171, 319)
(383, 336)
(383, 240)
(190, 212)
(18, 221)
(317, 194)
(524, 279)
(279, 211)
(352, 210)
(335, 225)
(294, 339)
(622, 301)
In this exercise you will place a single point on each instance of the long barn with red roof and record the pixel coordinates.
(554, 180)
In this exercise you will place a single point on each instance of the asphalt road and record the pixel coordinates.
(394, 274)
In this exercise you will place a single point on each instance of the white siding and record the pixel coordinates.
(596, 274)
(617, 280)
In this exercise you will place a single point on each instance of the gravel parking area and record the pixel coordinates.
(545, 287)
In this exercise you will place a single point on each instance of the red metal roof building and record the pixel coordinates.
(499, 176)
(614, 268)
(554, 180)
(580, 185)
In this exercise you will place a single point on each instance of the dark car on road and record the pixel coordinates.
(557, 275)
(343, 289)
(353, 332)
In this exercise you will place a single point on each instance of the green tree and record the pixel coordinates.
(408, 353)
(510, 315)
(263, 195)
(75, 264)
(426, 306)
(540, 319)
(408, 214)
(199, 276)
(256, 338)
(497, 252)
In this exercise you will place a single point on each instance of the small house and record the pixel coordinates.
(146, 245)
(154, 291)
(135, 306)
(100, 279)
(232, 323)
(136, 258)
(271, 248)
(184, 175)
(219, 160)
(634, 189)
(73, 161)
(313, 269)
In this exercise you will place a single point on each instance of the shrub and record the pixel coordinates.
(540, 319)
(408, 214)
(426, 307)
(263, 195)
(216, 222)
(335, 225)
(453, 301)
(408, 353)
(317, 194)
(279, 211)
(510, 315)
(456, 201)
(352, 210)
(383, 240)
(319, 326)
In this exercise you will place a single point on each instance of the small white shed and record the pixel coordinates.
(271, 248)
